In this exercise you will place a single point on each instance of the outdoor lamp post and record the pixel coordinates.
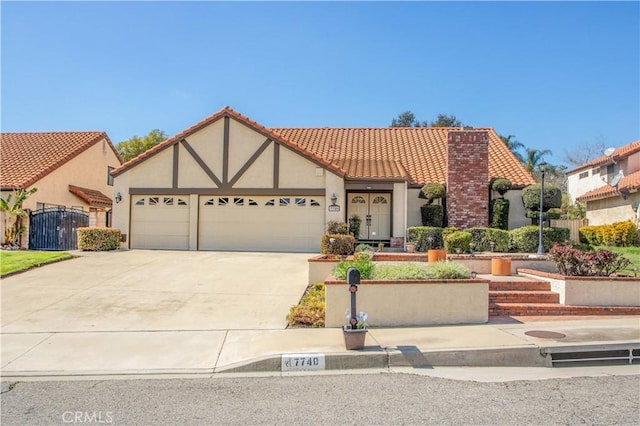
(541, 216)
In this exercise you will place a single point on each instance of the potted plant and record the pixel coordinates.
(355, 332)
(433, 254)
(411, 247)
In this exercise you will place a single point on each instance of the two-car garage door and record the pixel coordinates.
(263, 223)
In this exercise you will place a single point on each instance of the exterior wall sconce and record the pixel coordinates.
(334, 199)
(118, 197)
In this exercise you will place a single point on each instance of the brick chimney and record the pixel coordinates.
(468, 178)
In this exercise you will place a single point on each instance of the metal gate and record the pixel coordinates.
(55, 228)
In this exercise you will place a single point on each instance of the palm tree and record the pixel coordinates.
(534, 158)
(513, 145)
(13, 212)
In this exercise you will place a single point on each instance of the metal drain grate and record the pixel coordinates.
(614, 354)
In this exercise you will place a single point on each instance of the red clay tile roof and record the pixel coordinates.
(627, 184)
(414, 154)
(91, 196)
(619, 153)
(27, 157)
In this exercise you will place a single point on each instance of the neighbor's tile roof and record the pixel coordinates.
(395, 153)
(91, 196)
(619, 153)
(630, 183)
(27, 157)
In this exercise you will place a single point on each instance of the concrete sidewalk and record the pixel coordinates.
(216, 351)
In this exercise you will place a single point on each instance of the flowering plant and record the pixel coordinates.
(360, 320)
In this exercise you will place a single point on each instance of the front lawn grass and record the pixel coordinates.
(12, 261)
(631, 253)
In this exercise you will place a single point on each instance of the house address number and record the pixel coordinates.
(334, 208)
(303, 362)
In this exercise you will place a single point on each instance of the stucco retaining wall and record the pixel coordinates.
(410, 303)
(593, 291)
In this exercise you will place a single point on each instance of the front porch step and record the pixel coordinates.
(513, 285)
(523, 297)
(515, 309)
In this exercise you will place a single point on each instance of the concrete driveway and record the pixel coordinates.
(143, 290)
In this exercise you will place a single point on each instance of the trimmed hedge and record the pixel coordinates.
(98, 239)
(482, 238)
(335, 227)
(420, 235)
(620, 234)
(432, 215)
(525, 239)
(342, 245)
(458, 240)
(500, 213)
(531, 197)
(501, 186)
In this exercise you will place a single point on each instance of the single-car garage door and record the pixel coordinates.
(261, 223)
(160, 222)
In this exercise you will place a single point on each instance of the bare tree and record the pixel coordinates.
(584, 153)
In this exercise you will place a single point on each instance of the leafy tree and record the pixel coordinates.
(533, 158)
(135, 146)
(584, 153)
(445, 120)
(13, 213)
(407, 119)
(513, 145)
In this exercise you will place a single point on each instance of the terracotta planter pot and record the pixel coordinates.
(501, 266)
(354, 339)
(411, 248)
(436, 255)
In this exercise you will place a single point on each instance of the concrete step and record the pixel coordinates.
(523, 297)
(514, 309)
(517, 285)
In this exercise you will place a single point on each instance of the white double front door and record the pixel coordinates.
(374, 209)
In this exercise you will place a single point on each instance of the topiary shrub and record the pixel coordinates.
(501, 186)
(482, 238)
(432, 191)
(525, 239)
(531, 197)
(500, 213)
(432, 215)
(458, 240)
(336, 227)
(425, 237)
(98, 239)
(337, 244)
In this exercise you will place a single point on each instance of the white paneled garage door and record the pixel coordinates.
(160, 222)
(261, 223)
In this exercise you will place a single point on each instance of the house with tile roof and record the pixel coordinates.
(608, 185)
(71, 170)
(229, 183)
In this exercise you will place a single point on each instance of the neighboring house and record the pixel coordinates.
(69, 169)
(608, 185)
(228, 183)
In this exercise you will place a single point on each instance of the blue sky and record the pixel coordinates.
(556, 75)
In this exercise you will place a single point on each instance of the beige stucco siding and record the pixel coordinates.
(87, 170)
(399, 225)
(517, 212)
(208, 143)
(190, 174)
(156, 172)
(243, 143)
(414, 217)
(611, 210)
(297, 172)
(260, 174)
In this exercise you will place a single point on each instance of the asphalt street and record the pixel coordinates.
(364, 399)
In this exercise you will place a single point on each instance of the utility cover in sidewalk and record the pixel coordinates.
(541, 334)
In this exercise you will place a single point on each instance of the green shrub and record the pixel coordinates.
(448, 231)
(354, 225)
(98, 239)
(482, 238)
(501, 186)
(342, 244)
(310, 312)
(335, 227)
(425, 237)
(432, 191)
(448, 270)
(531, 197)
(458, 240)
(364, 247)
(401, 271)
(500, 213)
(525, 239)
(619, 234)
(361, 261)
(432, 215)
